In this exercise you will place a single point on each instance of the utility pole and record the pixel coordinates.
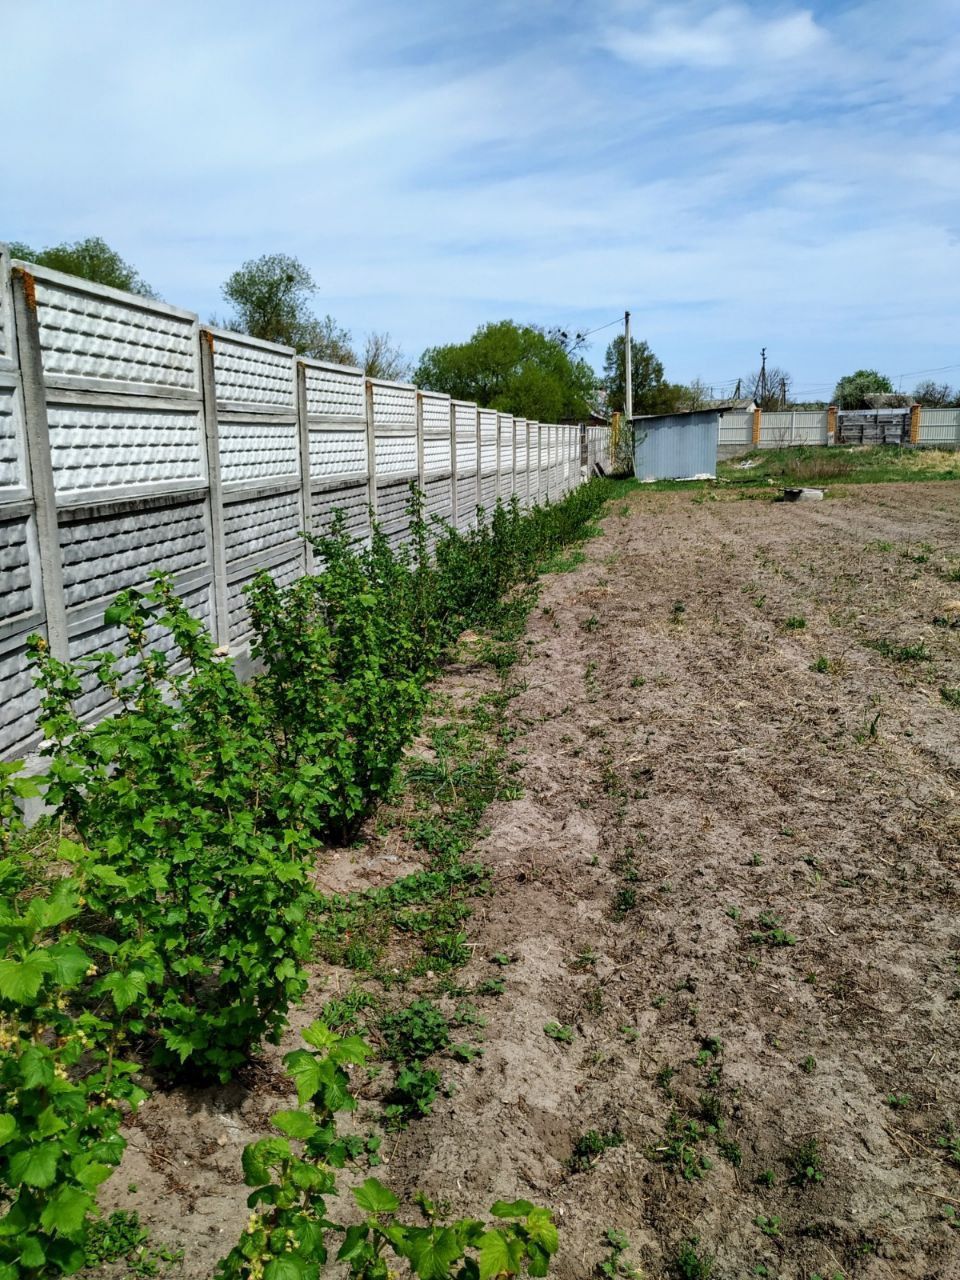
(627, 369)
(763, 376)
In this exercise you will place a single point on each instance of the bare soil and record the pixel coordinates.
(685, 771)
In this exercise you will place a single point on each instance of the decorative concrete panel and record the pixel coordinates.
(392, 502)
(249, 374)
(394, 406)
(108, 553)
(334, 453)
(488, 455)
(437, 498)
(239, 615)
(396, 455)
(488, 492)
(12, 467)
(353, 501)
(436, 414)
(100, 447)
(466, 420)
(466, 501)
(488, 424)
(98, 638)
(20, 592)
(257, 526)
(19, 704)
(91, 335)
(334, 392)
(436, 454)
(258, 450)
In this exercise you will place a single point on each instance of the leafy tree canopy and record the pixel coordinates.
(851, 392)
(271, 299)
(92, 259)
(652, 393)
(516, 368)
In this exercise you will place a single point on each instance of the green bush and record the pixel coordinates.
(62, 1091)
(193, 857)
(289, 1235)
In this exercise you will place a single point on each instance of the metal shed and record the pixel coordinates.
(676, 446)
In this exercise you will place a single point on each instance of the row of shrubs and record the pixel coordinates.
(180, 924)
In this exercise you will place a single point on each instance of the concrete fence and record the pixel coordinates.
(132, 439)
(743, 429)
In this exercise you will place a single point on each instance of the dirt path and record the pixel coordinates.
(732, 877)
(685, 772)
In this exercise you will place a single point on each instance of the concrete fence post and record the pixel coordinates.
(497, 489)
(453, 467)
(757, 420)
(211, 436)
(371, 449)
(39, 460)
(914, 424)
(306, 492)
(479, 501)
(421, 464)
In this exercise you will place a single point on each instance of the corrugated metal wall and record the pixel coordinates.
(676, 446)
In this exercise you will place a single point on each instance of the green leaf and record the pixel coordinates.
(32, 1253)
(512, 1208)
(258, 1158)
(305, 1071)
(320, 1036)
(494, 1255)
(8, 1127)
(375, 1197)
(21, 979)
(354, 1243)
(125, 987)
(433, 1253)
(541, 1228)
(36, 1067)
(35, 1167)
(295, 1124)
(69, 963)
(287, 1267)
(66, 1212)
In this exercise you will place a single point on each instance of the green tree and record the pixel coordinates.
(271, 299)
(651, 391)
(92, 259)
(851, 392)
(518, 369)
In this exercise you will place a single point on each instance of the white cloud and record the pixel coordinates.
(728, 36)
(735, 173)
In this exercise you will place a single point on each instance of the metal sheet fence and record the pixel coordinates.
(133, 439)
(746, 428)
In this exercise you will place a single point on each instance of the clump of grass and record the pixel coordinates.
(950, 696)
(795, 623)
(590, 1146)
(559, 1032)
(690, 1264)
(901, 652)
(805, 1163)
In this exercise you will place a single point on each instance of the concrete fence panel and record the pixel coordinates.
(134, 440)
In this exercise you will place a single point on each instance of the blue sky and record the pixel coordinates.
(737, 174)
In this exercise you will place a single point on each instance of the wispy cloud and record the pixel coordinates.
(735, 173)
